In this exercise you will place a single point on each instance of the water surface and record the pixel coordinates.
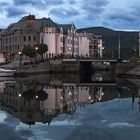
(69, 107)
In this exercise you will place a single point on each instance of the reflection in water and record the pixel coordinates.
(39, 99)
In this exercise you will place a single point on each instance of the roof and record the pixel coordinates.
(36, 24)
(66, 27)
(23, 23)
(47, 22)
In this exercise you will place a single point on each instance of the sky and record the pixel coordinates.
(114, 14)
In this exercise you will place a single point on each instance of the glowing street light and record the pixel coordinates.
(36, 48)
(89, 97)
(19, 95)
(20, 58)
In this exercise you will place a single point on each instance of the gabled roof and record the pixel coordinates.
(47, 22)
(66, 27)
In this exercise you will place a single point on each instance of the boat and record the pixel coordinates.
(6, 72)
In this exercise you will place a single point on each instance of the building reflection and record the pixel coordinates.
(41, 103)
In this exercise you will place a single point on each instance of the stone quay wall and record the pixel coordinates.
(53, 66)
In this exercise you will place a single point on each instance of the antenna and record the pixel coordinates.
(119, 48)
(139, 43)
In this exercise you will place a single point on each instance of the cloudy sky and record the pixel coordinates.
(115, 14)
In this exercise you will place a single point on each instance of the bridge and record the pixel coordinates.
(88, 60)
(97, 60)
(83, 64)
(110, 83)
(92, 60)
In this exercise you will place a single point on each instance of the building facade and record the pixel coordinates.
(84, 41)
(95, 46)
(62, 39)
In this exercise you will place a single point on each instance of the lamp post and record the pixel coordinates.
(36, 49)
(20, 59)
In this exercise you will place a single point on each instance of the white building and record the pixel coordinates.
(83, 44)
(63, 39)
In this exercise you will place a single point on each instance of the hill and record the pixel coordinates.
(128, 40)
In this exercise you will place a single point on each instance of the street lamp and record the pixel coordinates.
(20, 59)
(36, 49)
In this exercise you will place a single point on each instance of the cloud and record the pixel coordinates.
(55, 2)
(72, 2)
(26, 2)
(42, 4)
(64, 13)
(95, 6)
(123, 17)
(3, 4)
(84, 13)
(14, 12)
(126, 18)
(106, 23)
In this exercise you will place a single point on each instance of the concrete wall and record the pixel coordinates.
(52, 66)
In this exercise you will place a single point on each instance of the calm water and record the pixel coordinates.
(69, 107)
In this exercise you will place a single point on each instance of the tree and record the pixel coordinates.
(29, 51)
(41, 49)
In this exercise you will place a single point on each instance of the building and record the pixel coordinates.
(17, 35)
(83, 44)
(0, 37)
(95, 46)
(62, 39)
(2, 57)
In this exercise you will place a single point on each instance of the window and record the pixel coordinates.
(15, 38)
(6, 40)
(9, 39)
(61, 39)
(42, 40)
(16, 47)
(24, 38)
(34, 38)
(29, 38)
